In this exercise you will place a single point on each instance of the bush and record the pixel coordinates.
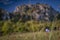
(6, 27)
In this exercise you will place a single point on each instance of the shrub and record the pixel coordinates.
(6, 27)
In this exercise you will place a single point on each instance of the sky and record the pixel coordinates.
(10, 5)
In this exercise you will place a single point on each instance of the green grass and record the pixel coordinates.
(30, 30)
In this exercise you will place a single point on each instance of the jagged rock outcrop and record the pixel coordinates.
(24, 12)
(37, 11)
(4, 15)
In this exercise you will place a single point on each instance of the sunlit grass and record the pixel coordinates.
(32, 36)
(30, 30)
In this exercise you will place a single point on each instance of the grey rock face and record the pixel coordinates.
(38, 11)
(32, 12)
(4, 15)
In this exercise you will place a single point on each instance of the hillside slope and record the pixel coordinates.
(37, 11)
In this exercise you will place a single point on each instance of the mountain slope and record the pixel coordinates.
(3, 14)
(37, 11)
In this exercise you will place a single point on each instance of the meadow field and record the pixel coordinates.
(30, 30)
(33, 36)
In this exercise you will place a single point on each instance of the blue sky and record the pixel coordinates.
(10, 5)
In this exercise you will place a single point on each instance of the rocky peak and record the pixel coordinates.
(41, 11)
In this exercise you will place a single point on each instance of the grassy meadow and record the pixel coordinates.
(30, 30)
(33, 36)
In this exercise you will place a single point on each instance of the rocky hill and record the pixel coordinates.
(26, 12)
(37, 11)
(4, 14)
